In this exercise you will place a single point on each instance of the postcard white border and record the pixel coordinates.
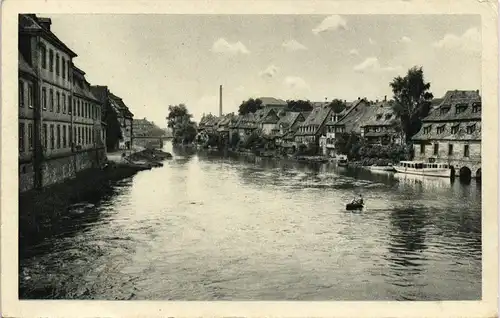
(12, 307)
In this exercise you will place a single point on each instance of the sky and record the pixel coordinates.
(153, 61)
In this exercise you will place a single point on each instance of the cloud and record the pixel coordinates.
(354, 52)
(406, 39)
(269, 72)
(293, 45)
(469, 41)
(225, 47)
(372, 64)
(295, 83)
(332, 22)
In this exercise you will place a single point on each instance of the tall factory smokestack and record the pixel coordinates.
(220, 100)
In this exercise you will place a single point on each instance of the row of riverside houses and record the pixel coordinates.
(453, 127)
(63, 125)
(315, 129)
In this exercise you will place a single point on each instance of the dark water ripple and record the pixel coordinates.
(209, 228)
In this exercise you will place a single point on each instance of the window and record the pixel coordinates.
(64, 136)
(43, 53)
(388, 116)
(69, 71)
(69, 105)
(44, 98)
(51, 100)
(444, 109)
(30, 136)
(21, 137)
(45, 136)
(63, 97)
(440, 129)
(58, 136)
(460, 108)
(57, 64)
(422, 149)
(476, 108)
(466, 150)
(58, 99)
(74, 107)
(450, 149)
(51, 60)
(79, 108)
(436, 149)
(74, 135)
(21, 94)
(471, 129)
(79, 135)
(63, 67)
(30, 95)
(51, 136)
(427, 129)
(379, 116)
(454, 129)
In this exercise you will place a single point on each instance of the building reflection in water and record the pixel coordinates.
(406, 246)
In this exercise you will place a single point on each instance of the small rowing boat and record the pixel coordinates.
(354, 206)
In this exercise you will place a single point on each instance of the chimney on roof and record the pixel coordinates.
(477, 91)
(45, 23)
(359, 98)
(376, 101)
(220, 100)
(385, 98)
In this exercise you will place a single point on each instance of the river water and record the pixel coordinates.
(208, 227)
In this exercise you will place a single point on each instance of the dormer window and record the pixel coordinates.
(427, 129)
(471, 128)
(440, 129)
(454, 129)
(460, 108)
(388, 116)
(444, 109)
(379, 116)
(476, 107)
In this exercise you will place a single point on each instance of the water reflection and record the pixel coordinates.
(212, 226)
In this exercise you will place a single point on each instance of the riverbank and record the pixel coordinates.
(52, 201)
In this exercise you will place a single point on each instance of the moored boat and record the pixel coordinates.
(342, 161)
(381, 168)
(424, 168)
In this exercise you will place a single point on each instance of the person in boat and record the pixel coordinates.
(359, 200)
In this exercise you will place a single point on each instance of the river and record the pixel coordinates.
(208, 227)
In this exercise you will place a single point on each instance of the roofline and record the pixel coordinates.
(50, 36)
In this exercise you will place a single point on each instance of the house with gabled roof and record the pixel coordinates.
(309, 131)
(286, 128)
(244, 125)
(451, 134)
(349, 120)
(381, 126)
(266, 119)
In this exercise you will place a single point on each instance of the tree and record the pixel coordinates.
(177, 114)
(298, 106)
(337, 105)
(412, 101)
(179, 120)
(250, 106)
(349, 144)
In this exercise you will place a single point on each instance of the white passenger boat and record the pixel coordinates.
(424, 168)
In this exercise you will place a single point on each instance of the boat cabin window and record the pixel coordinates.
(418, 166)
